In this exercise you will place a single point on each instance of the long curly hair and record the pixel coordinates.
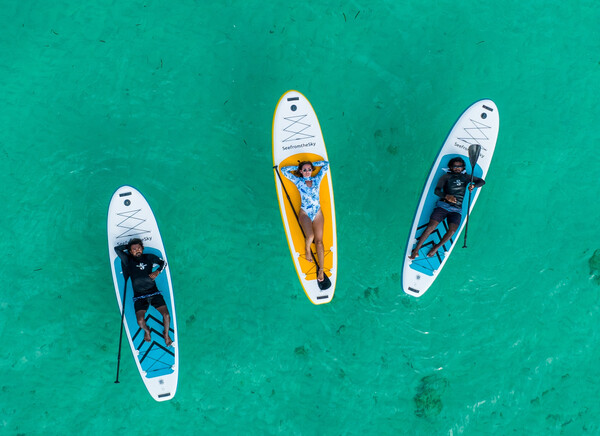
(301, 164)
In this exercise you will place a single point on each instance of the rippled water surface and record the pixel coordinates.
(177, 99)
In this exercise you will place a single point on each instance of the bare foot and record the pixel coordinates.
(308, 256)
(414, 254)
(320, 275)
(168, 340)
(433, 251)
(147, 336)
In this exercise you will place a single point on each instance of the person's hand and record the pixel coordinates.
(450, 198)
(154, 274)
(471, 187)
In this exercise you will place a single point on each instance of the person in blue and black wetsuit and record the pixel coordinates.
(451, 188)
(138, 266)
(310, 215)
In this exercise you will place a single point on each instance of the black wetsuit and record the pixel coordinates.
(138, 269)
(452, 184)
(456, 184)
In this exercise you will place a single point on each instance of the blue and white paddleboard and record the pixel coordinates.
(479, 124)
(130, 216)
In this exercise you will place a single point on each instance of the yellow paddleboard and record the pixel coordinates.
(297, 137)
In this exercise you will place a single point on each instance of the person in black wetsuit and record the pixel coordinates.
(138, 266)
(451, 188)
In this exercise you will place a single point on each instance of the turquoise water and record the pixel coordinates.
(177, 99)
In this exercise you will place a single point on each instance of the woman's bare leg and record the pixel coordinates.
(317, 226)
(307, 227)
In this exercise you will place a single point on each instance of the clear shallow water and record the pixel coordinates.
(178, 99)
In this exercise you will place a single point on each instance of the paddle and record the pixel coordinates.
(326, 283)
(474, 150)
(122, 319)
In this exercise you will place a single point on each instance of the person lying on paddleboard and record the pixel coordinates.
(138, 266)
(310, 215)
(451, 188)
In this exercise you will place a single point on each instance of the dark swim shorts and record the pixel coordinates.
(439, 213)
(143, 303)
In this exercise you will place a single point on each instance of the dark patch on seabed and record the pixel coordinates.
(301, 351)
(374, 292)
(428, 400)
(594, 263)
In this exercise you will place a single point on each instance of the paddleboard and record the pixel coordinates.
(130, 216)
(478, 124)
(297, 137)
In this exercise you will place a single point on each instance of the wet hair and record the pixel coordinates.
(455, 160)
(134, 241)
(301, 164)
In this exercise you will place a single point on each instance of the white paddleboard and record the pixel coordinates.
(130, 216)
(479, 124)
(297, 137)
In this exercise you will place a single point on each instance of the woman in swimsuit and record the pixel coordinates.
(310, 216)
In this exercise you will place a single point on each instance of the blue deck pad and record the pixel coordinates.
(155, 357)
(428, 265)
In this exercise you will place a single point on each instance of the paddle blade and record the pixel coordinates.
(474, 150)
(325, 284)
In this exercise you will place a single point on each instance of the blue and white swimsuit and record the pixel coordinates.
(309, 195)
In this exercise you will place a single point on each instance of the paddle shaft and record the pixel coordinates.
(295, 214)
(474, 151)
(122, 321)
(468, 211)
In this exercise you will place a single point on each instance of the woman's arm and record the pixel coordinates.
(324, 167)
(288, 173)
(323, 164)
